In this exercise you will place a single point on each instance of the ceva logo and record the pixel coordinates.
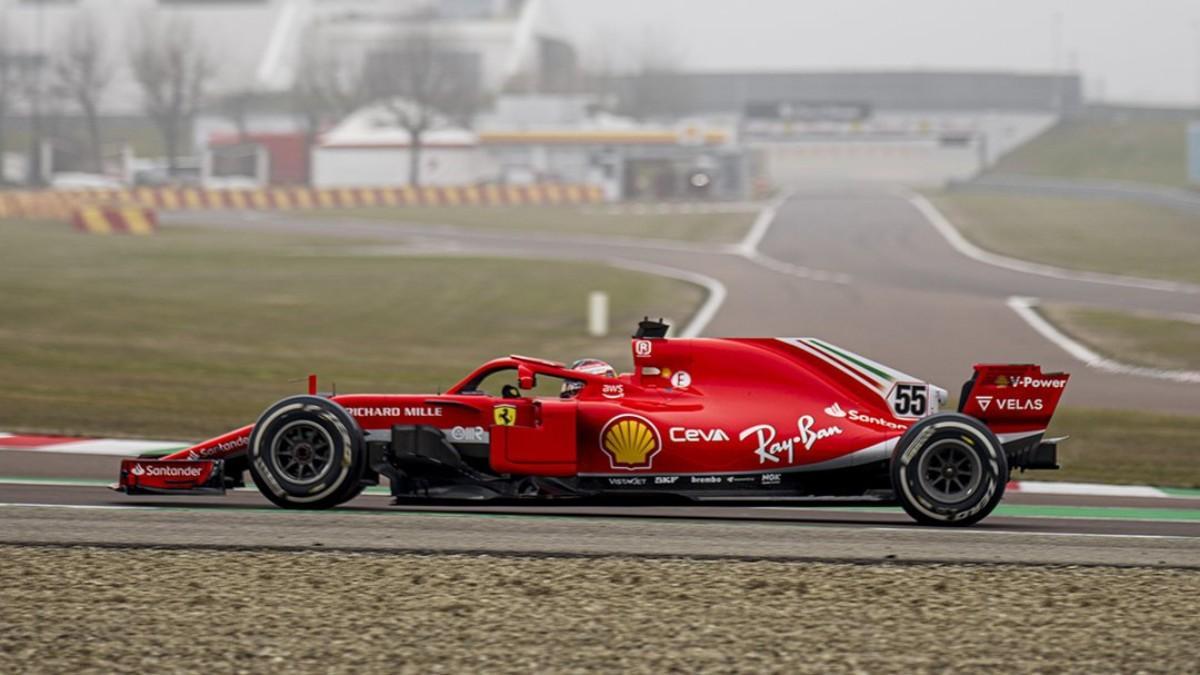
(835, 410)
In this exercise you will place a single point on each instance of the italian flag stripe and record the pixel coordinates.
(834, 351)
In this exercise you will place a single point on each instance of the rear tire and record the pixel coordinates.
(949, 469)
(306, 452)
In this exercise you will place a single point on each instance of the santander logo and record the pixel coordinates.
(166, 471)
(835, 410)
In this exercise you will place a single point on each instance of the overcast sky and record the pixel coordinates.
(1128, 50)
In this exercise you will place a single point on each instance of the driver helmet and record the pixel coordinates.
(571, 388)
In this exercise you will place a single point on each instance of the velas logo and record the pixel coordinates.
(984, 402)
(630, 441)
(835, 410)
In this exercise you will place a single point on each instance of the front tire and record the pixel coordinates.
(306, 452)
(949, 469)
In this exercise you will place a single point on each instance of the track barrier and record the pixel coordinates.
(115, 220)
(62, 204)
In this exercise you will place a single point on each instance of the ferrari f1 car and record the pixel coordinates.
(731, 419)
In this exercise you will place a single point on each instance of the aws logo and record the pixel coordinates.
(630, 441)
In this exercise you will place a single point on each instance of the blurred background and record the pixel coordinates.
(386, 192)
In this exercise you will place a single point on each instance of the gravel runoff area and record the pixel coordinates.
(143, 610)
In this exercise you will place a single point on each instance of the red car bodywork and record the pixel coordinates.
(776, 416)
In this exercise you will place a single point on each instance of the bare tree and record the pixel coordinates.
(172, 69)
(236, 106)
(655, 86)
(328, 85)
(83, 72)
(419, 80)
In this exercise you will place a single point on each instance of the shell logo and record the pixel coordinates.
(630, 441)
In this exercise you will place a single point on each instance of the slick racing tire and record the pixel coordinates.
(306, 452)
(949, 469)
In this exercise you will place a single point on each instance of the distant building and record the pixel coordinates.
(540, 139)
(700, 93)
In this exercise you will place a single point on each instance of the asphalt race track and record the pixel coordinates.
(859, 267)
(1121, 532)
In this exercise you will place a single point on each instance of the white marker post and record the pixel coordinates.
(598, 314)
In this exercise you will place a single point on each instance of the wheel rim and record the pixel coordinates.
(303, 452)
(949, 471)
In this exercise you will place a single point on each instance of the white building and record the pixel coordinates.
(368, 149)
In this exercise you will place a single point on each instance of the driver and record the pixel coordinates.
(571, 388)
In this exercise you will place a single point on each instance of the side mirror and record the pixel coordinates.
(525, 377)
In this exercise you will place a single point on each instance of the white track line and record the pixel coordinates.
(952, 236)
(1086, 489)
(81, 507)
(107, 447)
(703, 316)
(1024, 307)
(748, 249)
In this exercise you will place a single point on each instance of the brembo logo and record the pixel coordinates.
(169, 471)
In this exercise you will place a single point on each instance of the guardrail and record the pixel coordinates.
(62, 204)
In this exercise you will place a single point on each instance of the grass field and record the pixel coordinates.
(191, 332)
(1140, 339)
(1096, 235)
(707, 227)
(1140, 149)
(1113, 446)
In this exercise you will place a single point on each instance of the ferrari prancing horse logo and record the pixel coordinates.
(504, 415)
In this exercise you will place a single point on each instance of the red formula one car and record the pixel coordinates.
(706, 419)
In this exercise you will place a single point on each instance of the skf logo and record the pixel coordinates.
(504, 415)
(643, 347)
(630, 441)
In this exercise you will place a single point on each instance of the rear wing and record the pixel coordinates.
(1012, 398)
(1016, 402)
